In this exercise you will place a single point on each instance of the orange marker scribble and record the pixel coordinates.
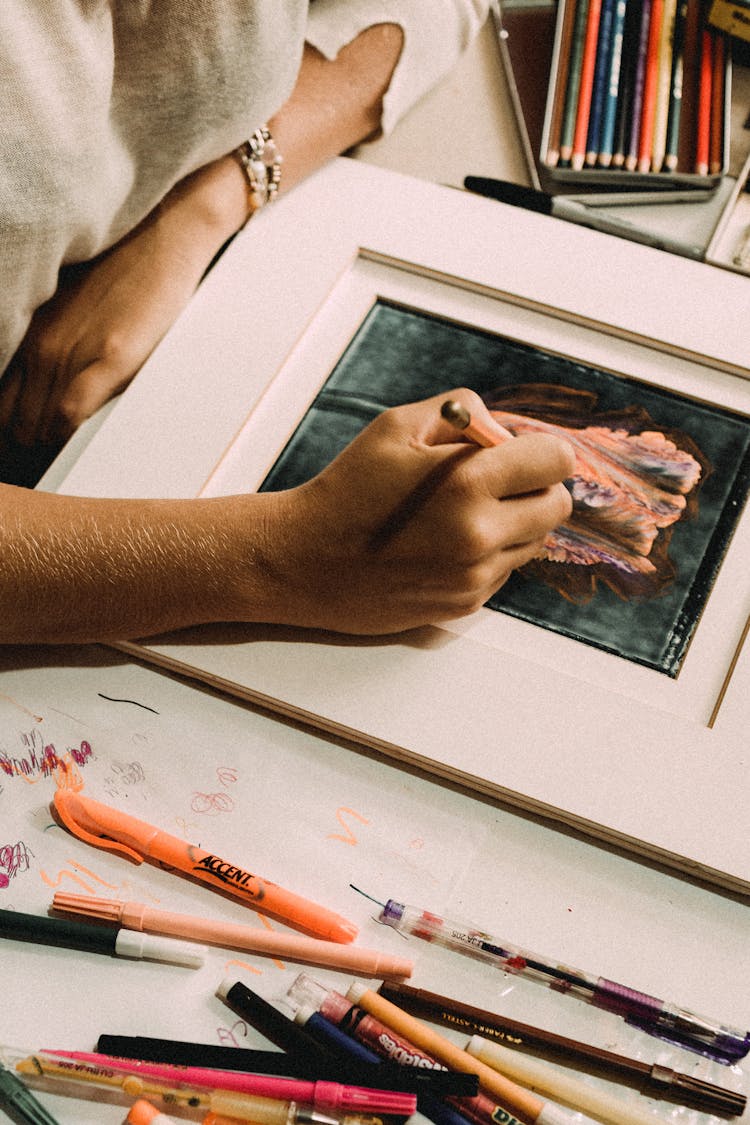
(349, 838)
(64, 874)
(67, 774)
(243, 965)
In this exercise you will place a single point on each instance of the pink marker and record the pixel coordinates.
(326, 1096)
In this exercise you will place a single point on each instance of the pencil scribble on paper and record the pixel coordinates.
(123, 775)
(217, 802)
(38, 759)
(631, 484)
(13, 858)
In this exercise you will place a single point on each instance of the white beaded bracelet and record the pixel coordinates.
(261, 163)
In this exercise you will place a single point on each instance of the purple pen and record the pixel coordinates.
(664, 1021)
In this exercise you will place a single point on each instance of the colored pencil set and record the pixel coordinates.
(640, 87)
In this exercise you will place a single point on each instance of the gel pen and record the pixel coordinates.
(665, 1021)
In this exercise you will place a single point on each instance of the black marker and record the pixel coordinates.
(87, 936)
(178, 1052)
(573, 211)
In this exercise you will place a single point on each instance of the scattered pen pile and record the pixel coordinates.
(640, 86)
(343, 1059)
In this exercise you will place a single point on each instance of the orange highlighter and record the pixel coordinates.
(105, 827)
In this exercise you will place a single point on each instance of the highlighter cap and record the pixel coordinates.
(144, 1113)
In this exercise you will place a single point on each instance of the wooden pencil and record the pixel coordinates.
(631, 157)
(574, 81)
(600, 85)
(688, 117)
(675, 88)
(718, 78)
(626, 84)
(648, 106)
(663, 85)
(609, 114)
(703, 113)
(588, 63)
(554, 133)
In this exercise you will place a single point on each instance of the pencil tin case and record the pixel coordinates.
(639, 95)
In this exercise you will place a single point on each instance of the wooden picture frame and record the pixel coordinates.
(656, 765)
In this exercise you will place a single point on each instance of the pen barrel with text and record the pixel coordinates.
(668, 1022)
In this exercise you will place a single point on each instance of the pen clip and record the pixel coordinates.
(78, 819)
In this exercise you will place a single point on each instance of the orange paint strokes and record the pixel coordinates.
(349, 838)
(65, 874)
(235, 961)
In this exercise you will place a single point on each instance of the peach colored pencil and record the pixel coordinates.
(480, 433)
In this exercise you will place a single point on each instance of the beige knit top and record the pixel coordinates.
(108, 103)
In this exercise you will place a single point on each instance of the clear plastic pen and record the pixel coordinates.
(665, 1021)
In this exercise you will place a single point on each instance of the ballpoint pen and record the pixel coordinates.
(665, 1021)
(106, 827)
(15, 1096)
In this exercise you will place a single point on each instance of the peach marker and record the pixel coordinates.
(237, 935)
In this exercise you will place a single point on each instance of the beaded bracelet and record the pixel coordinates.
(261, 163)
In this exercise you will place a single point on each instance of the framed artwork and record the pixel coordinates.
(603, 684)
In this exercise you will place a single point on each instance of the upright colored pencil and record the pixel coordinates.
(675, 88)
(716, 144)
(574, 81)
(703, 117)
(609, 113)
(648, 107)
(631, 156)
(601, 80)
(588, 63)
(688, 115)
(663, 85)
(628, 66)
(554, 132)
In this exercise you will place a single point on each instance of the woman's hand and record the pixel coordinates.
(88, 341)
(411, 525)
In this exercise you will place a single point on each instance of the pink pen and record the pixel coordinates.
(325, 1096)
